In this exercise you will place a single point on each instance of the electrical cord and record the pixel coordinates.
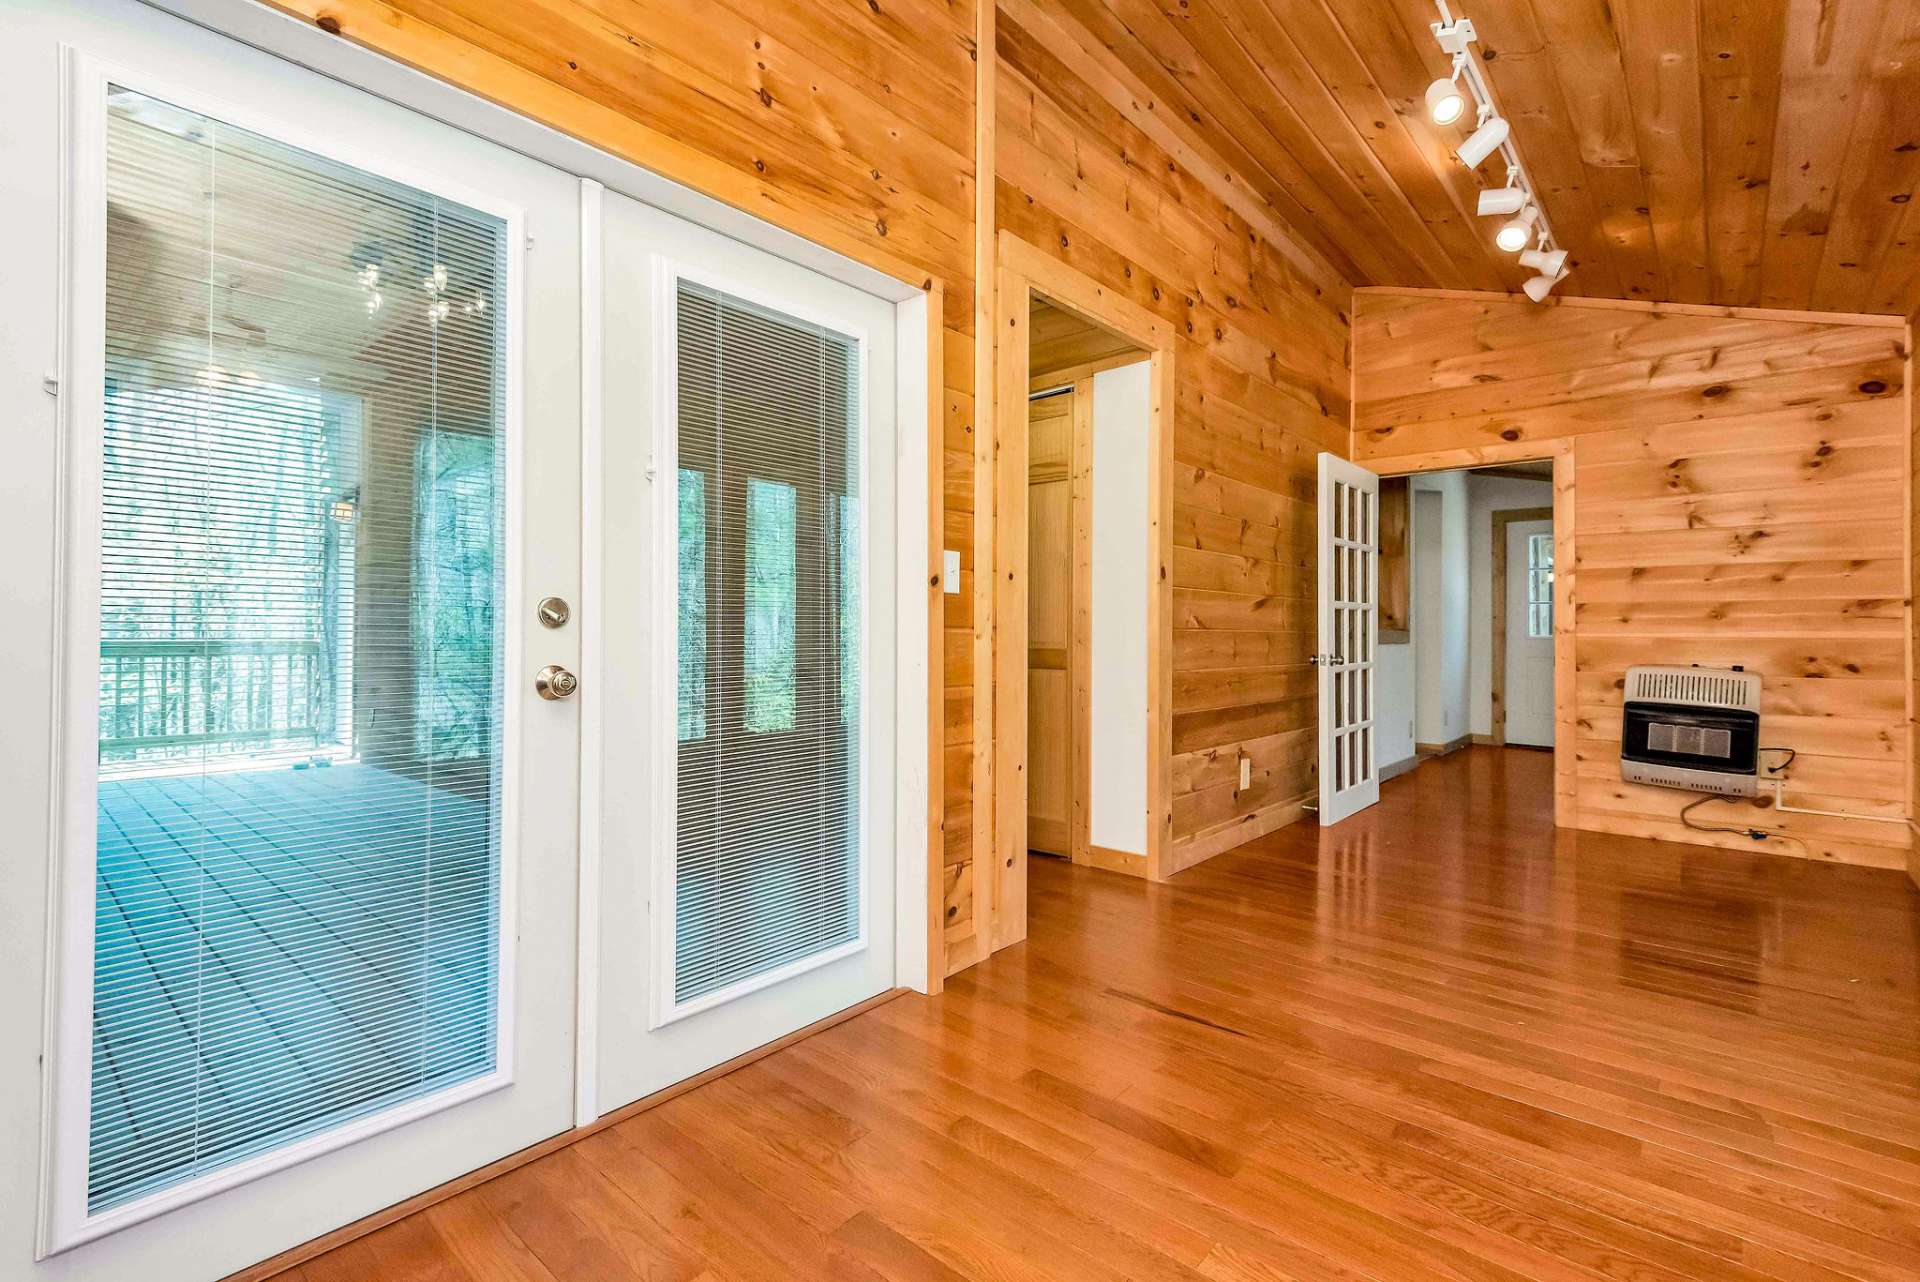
(1791, 754)
(1686, 818)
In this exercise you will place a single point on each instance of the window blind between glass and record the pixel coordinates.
(297, 881)
(768, 860)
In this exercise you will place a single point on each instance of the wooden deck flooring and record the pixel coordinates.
(1442, 1042)
(267, 966)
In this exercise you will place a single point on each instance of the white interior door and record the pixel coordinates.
(1529, 675)
(746, 750)
(315, 832)
(1348, 632)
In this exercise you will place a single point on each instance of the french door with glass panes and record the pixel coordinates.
(745, 739)
(317, 829)
(1348, 626)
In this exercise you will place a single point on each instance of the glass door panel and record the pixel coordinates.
(316, 832)
(297, 912)
(767, 866)
(749, 625)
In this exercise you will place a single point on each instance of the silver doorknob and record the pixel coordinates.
(555, 682)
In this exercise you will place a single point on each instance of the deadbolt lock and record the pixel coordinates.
(555, 682)
(554, 612)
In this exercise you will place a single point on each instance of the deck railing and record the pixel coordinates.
(168, 699)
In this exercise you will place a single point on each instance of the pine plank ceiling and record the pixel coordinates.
(1734, 152)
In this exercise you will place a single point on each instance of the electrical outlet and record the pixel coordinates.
(1246, 773)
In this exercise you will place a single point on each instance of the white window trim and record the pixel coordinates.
(66, 1084)
(668, 273)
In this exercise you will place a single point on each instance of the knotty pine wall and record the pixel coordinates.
(845, 122)
(1261, 386)
(1741, 495)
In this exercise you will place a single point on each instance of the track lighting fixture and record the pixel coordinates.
(1540, 286)
(1546, 262)
(1516, 232)
(1525, 230)
(1501, 200)
(1484, 141)
(1445, 102)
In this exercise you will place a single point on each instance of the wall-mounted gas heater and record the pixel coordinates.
(1694, 728)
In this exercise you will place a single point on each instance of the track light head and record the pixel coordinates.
(1515, 233)
(1546, 262)
(1484, 141)
(1501, 200)
(1539, 287)
(1445, 102)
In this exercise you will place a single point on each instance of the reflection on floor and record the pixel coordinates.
(283, 914)
(1440, 1042)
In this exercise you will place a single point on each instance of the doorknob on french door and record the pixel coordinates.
(555, 682)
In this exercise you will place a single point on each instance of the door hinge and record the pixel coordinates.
(50, 384)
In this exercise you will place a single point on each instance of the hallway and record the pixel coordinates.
(1441, 1042)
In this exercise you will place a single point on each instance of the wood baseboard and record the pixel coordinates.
(1442, 749)
(1204, 845)
(1120, 861)
(1488, 741)
(298, 1255)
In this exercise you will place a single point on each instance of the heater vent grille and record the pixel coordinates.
(1701, 687)
(1697, 741)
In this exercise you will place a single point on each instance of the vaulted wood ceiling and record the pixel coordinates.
(1737, 152)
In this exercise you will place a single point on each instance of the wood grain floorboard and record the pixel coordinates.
(1441, 1043)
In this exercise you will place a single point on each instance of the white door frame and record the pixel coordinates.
(1347, 635)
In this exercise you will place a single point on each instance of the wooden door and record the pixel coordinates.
(1050, 597)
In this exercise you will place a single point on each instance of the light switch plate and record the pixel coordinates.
(1246, 773)
(950, 573)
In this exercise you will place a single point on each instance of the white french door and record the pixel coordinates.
(318, 425)
(742, 733)
(1348, 632)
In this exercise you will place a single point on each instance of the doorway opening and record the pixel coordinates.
(1088, 531)
(1467, 613)
(1130, 336)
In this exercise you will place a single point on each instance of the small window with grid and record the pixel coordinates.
(1540, 585)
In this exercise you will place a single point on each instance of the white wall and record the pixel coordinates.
(1487, 495)
(1393, 703)
(1121, 566)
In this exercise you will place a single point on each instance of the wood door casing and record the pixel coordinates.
(1050, 622)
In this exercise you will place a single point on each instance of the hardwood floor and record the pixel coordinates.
(1443, 1041)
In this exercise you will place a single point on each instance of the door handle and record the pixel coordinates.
(555, 682)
